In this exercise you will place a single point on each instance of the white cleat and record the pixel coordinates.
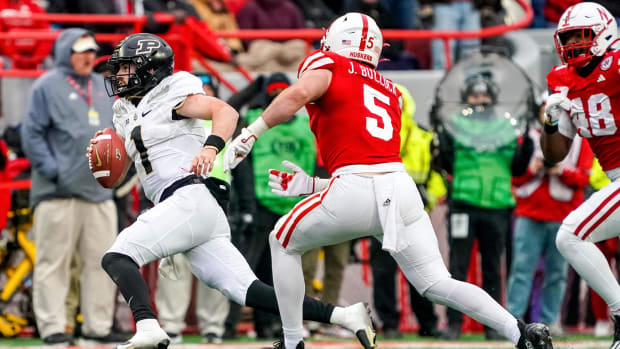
(147, 339)
(359, 321)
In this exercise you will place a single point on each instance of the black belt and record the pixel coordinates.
(218, 188)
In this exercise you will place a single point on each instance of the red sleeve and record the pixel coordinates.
(520, 180)
(554, 78)
(579, 176)
(316, 60)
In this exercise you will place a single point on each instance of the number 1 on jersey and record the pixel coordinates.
(372, 123)
(136, 137)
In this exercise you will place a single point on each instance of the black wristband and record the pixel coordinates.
(551, 129)
(216, 141)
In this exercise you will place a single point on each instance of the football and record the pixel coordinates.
(107, 158)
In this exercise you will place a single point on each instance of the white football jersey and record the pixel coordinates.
(161, 145)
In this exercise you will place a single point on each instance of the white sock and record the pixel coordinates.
(338, 317)
(292, 337)
(147, 325)
(511, 330)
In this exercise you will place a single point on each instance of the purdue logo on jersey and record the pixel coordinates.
(147, 46)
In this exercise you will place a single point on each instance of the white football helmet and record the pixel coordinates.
(355, 36)
(597, 28)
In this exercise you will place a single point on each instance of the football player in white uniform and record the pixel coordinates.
(160, 118)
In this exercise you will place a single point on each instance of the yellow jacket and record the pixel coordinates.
(415, 150)
(598, 178)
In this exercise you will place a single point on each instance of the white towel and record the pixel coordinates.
(389, 213)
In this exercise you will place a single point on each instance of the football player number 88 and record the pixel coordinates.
(601, 121)
(372, 123)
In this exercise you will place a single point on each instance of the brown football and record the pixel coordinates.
(108, 158)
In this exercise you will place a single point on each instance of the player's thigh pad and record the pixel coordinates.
(188, 218)
(220, 265)
(598, 218)
(343, 211)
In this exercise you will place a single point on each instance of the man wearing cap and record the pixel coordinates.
(480, 159)
(72, 213)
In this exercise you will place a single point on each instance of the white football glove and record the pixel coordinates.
(557, 105)
(297, 183)
(238, 149)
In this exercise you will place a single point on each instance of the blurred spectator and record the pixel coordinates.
(179, 8)
(73, 213)
(405, 13)
(82, 6)
(270, 14)
(479, 211)
(492, 14)
(451, 15)
(539, 21)
(416, 152)
(235, 5)
(336, 5)
(173, 296)
(316, 13)
(243, 211)
(92, 7)
(561, 187)
(25, 53)
(216, 15)
(395, 57)
(266, 55)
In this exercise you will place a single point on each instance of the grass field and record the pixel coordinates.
(409, 341)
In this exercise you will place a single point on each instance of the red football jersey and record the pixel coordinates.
(357, 120)
(595, 105)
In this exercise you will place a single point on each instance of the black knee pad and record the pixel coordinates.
(114, 260)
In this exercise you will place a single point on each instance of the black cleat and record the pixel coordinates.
(534, 336)
(616, 342)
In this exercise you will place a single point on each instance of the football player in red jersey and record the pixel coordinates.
(586, 101)
(355, 116)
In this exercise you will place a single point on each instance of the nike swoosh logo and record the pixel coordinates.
(144, 113)
(98, 158)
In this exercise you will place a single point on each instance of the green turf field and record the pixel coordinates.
(410, 341)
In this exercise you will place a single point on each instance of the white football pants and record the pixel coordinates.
(597, 219)
(190, 222)
(173, 298)
(354, 206)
